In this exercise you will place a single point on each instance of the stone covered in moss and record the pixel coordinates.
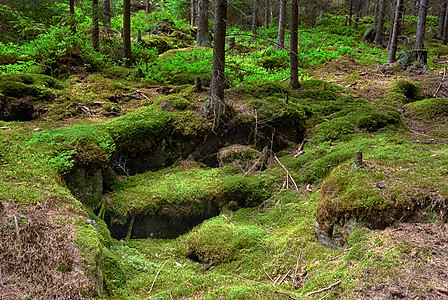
(406, 88)
(217, 241)
(429, 108)
(36, 86)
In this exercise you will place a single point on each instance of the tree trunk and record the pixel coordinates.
(350, 14)
(266, 14)
(202, 38)
(217, 105)
(358, 14)
(96, 27)
(281, 26)
(380, 23)
(442, 16)
(127, 33)
(106, 12)
(72, 16)
(254, 20)
(395, 31)
(147, 7)
(193, 13)
(421, 25)
(293, 59)
(271, 11)
(445, 28)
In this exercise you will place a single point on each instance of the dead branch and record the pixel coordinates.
(135, 93)
(155, 278)
(324, 289)
(16, 226)
(441, 290)
(288, 175)
(280, 282)
(441, 83)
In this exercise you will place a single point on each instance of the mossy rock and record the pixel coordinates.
(216, 241)
(159, 42)
(333, 130)
(242, 157)
(272, 63)
(36, 86)
(372, 120)
(429, 108)
(406, 88)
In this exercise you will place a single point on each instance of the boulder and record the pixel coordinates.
(16, 109)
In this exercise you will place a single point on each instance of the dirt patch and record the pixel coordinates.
(422, 266)
(38, 259)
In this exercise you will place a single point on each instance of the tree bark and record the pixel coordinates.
(193, 13)
(72, 16)
(380, 23)
(395, 31)
(96, 26)
(147, 7)
(281, 26)
(127, 33)
(202, 38)
(255, 20)
(293, 59)
(421, 25)
(107, 13)
(358, 14)
(350, 14)
(445, 28)
(217, 105)
(442, 16)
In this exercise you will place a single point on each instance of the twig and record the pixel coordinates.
(280, 282)
(441, 290)
(16, 225)
(441, 83)
(1, 279)
(324, 289)
(283, 80)
(251, 168)
(329, 29)
(155, 278)
(270, 278)
(248, 279)
(288, 175)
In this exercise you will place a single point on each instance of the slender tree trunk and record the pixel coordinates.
(350, 14)
(193, 13)
(421, 25)
(271, 11)
(380, 23)
(439, 33)
(147, 7)
(358, 14)
(293, 59)
(266, 14)
(395, 31)
(127, 33)
(96, 27)
(375, 18)
(217, 107)
(72, 16)
(202, 38)
(255, 20)
(281, 26)
(106, 12)
(445, 28)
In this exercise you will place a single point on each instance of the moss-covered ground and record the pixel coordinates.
(259, 237)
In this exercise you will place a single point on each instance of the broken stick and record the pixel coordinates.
(324, 289)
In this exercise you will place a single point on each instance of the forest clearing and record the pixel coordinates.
(196, 149)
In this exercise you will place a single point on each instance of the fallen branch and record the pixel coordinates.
(288, 175)
(324, 289)
(155, 278)
(441, 290)
(280, 282)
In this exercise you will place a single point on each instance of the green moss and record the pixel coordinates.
(36, 86)
(372, 120)
(216, 241)
(261, 90)
(114, 277)
(336, 129)
(406, 88)
(429, 108)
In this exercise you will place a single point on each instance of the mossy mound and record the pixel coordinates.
(173, 203)
(36, 86)
(262, 90)
(374, 197)
(408, 89)
(429, 108)
(216, 241)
